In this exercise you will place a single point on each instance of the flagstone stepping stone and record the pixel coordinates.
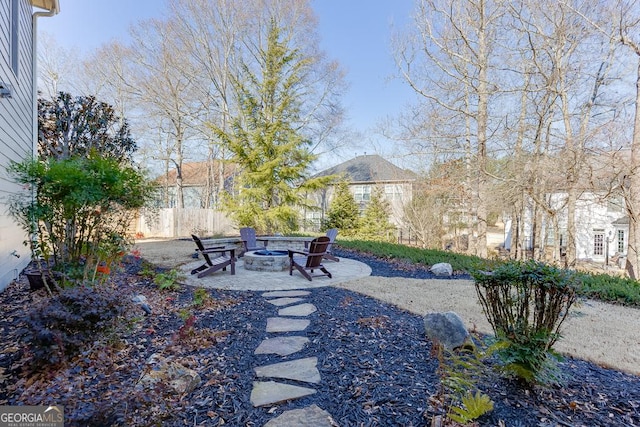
(298, 310)
(285, 324)
(311, 416)
(277, 294)
(282, 346)
(270, 392)
(284, 301)
(298, 370)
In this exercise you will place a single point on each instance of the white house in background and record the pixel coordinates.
(602, 224)
(602, 228)
(365, 174)
(18, 20)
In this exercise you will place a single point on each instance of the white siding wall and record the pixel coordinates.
(15, 131)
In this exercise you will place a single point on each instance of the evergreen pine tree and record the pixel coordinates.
(343, 212)
(375, 223)
(267, 141)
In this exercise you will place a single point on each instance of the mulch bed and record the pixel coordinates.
(376, 366)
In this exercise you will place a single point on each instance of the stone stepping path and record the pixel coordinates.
(282, 346)
(298, 310)
(270, 392)
(310, 416)
(284, 301)
(267, 390)
(283, 324)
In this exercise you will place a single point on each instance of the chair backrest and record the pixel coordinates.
(331, 234)
(317, 249)
(201, 248)
(248, 234)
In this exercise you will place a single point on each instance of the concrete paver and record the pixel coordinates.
(247, 280)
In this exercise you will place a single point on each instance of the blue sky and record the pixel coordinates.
(354, 32)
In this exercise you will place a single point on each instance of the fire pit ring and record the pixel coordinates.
(267, 252)
(266, 260)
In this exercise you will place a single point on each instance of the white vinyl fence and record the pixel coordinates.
(175, 222)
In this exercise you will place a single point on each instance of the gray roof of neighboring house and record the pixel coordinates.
(370, 168)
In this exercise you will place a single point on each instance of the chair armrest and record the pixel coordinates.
(266, 241)
(220, 250)
(211, 248)
(292, 252)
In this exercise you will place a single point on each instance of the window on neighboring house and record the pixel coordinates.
(14, 36)
(362, 193)
(314, 220)
(621, 245)
(393, 191)
(598, 242)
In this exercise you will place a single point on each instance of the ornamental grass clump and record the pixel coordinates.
(526, 304)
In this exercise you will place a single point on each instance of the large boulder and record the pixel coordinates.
(442, 269)
(161, 370)
(447, 329)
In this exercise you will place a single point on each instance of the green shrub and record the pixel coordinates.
(169, 280)
(610, 288)
(78, 210)
(62, 326)
(526, 303)
(427, 257)
(201, 297)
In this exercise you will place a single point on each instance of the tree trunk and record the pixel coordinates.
(633, 191)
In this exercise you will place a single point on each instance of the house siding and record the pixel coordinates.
(16, 138)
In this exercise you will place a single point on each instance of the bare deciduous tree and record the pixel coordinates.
(448, 62)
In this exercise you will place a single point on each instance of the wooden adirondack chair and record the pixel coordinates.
(214, 263)
(250, 241)
(307, 262)
(331, 234)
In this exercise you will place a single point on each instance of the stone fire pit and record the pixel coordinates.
(266, 260)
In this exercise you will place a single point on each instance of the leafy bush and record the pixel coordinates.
(526, 303)
(77, 225)
(62, 326)
(168, 280)
(201, 297)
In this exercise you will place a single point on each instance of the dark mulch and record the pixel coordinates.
(376, 366)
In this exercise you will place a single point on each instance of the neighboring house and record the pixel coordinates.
(17, 116)
(602, 228)
(602, 224)
(200, 184)
(365, 174)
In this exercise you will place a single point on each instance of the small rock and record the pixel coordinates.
(160, 370)
(446, 328)
(442, 269)
(141, 300)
